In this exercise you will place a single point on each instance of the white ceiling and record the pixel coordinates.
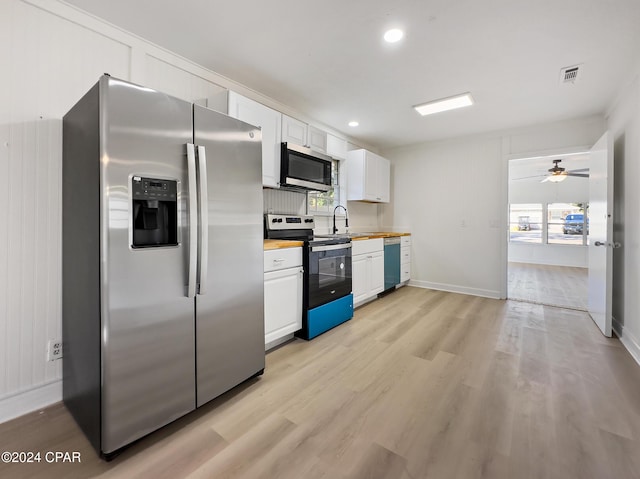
(327, 59)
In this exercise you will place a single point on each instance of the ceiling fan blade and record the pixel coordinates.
(545, 180)
(580, 175)
(528, 177)
(579, 170)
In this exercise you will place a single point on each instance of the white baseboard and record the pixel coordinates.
(546, 262)
(31, 400)
(278, 342)
(485, 293)
(628, 340)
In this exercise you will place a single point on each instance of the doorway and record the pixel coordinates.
(548, 230)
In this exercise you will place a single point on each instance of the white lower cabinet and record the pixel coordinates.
(367, 269)
(282, 294)
(405, 259)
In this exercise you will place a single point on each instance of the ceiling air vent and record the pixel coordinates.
(570, 74)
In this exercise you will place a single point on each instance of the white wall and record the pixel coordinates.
(624, 125)
(51, 54)
(452, 196)
(575, 256)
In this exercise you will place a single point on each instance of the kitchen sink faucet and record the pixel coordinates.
(346, 218)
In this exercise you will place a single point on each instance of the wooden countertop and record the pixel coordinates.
(279, 244)
(270, 244)
(380, 234)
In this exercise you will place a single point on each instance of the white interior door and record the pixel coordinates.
(601, 232)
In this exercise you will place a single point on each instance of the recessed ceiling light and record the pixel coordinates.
(353, 123)
(394, 35)
(444, 104)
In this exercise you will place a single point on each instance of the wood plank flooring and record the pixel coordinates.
(419, 384)
(562, 286)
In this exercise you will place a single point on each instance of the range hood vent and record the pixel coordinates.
(570, 74)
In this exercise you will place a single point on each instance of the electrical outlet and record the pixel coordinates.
(54, 349)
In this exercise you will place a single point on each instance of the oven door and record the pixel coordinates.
(329, 273)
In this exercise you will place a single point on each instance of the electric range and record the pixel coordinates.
(327, 294)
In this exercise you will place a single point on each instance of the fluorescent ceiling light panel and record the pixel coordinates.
(444, 104)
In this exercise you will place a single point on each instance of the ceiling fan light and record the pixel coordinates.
(557, 178)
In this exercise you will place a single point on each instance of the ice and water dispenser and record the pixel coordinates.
(155, 212)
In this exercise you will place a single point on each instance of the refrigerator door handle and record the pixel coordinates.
(203, 247)
(193, 223)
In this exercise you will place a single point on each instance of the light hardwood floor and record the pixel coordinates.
(551, 285)
(419, 384)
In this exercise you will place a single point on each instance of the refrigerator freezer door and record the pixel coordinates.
(230, 313)
(148, 354)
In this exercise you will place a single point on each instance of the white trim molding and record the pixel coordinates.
(628, 340)
(451, 288)
(30, 400)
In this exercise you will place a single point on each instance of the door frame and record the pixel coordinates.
(506, 158)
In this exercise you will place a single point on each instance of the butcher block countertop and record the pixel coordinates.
(380, 234)
(279, 244)
(270, 244)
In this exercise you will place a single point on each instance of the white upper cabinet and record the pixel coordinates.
(368, 177)
(270, 122)
(294, 131)
(298, 132)
(317, 139)
(336, 147)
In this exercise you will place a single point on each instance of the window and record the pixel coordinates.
(549, 223)
(525, 223)
(323, 202)
(568, 223)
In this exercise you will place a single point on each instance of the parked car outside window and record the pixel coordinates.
(524, 223)
(573, 224)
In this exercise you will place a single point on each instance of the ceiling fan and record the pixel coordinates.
(557, 173)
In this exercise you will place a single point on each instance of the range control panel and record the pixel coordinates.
(153, 189)
(289, 222)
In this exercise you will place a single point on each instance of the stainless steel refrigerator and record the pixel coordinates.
(162, 259)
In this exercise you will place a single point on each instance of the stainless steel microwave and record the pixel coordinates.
(304, 168)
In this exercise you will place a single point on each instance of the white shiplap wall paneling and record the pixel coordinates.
(284, 202)
(30, 252)
(5, 180)
(53, 62)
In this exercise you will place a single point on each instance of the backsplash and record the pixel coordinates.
(284, 202)
(363, 217)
